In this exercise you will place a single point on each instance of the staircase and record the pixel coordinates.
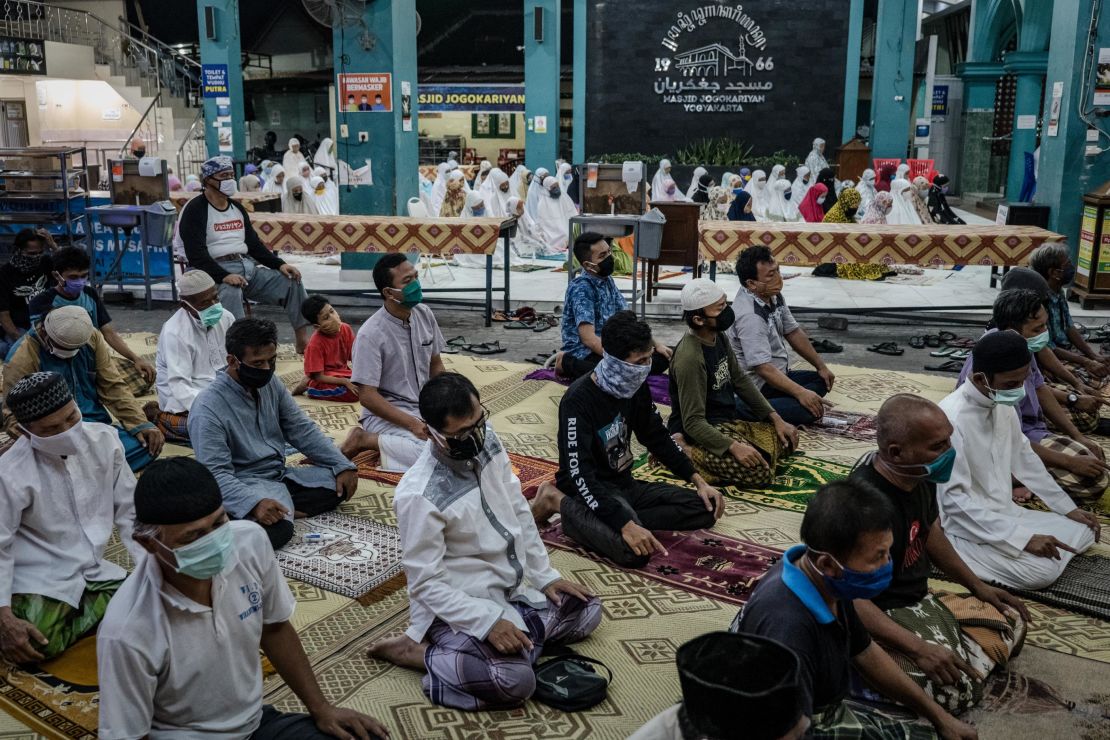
(156, 79)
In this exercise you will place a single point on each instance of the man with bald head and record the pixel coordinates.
(915, 454)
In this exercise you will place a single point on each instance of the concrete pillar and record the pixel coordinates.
(851, 70)
(392, 151)
(541, 84)
(980, 79)
(1066, 172)
(1029, 68)
(892, 87)
(579, 103)
(223, 50)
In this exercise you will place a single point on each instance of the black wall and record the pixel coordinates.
(806, 40)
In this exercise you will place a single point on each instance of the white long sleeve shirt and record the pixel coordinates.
(976, 504)
(56, 516)
(470, 545)
(188, 358)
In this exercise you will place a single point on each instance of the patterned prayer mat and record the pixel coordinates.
(1083, 587)
(60, 698)
(659, 385)
(847, 424)
(360, 559)
(532, 471)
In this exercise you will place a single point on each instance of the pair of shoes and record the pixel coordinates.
(824, 346)
(886, 348)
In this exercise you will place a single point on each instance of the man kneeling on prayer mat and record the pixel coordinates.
(178, 649)
(1000, 541)
(484, 600)
(190, 353)
(947, 644)
(807, 601)
(1075, 461)
(243, 423)
(730, 681)
(708, 391)
(65, 342)
(63, 485)
(604, 508)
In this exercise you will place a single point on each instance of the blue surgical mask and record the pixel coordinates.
(1009, 397)
(478, 211)
(207, 556)
(856, 584)
(1039, 342)
(937, 471)
(210, 316)
(619, 378)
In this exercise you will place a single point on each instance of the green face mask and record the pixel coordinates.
(412, 294)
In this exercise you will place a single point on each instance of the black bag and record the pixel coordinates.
(569, 683)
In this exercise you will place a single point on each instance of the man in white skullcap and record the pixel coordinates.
(65, 342)
(63, 485)
(220, 240)
(190, 353)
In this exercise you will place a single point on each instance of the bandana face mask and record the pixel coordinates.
(619, 378)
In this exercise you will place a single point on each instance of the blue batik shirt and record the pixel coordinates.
(589, 300)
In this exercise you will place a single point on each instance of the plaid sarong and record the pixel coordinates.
(175, 427)
(132, 378)
(1085, 421)
(1086, 490)
(725, 470)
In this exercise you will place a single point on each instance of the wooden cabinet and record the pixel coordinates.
(680, 242)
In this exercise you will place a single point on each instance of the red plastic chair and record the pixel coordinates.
(921, 168)
(889, 162)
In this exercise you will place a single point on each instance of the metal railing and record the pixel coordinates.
(143, 122)
(193, 148)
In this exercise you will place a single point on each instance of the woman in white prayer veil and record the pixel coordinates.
(799, 187)
(439, 187)
(324, 206)
(778, 209)
(658, 184)
(475, 206)
(525, 243)
(483, 172)
(902, 211)
(518, 182)
(698, 172)
(297, 199)
(564, 176)
(276, 182)
(305, 171)
(866, 190)
(816, 160)
(291, 162)
(452, 166)
(777, 173)
(535, 191)
(903, 172)
(761, 197)
(325, 157)
(553, 220)
(496, 193)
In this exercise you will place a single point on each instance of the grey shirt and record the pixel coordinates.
(759, 334)
(395, 356)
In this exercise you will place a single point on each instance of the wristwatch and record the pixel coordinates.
(1072, 399)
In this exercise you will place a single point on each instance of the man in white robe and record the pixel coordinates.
(999, 540)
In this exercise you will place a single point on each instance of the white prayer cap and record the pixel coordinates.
(69, 327)
(700, 293)
(194, 282)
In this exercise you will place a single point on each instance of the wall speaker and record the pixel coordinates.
(537, 25)
(209, 23)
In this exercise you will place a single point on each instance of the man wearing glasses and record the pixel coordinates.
(484, 600)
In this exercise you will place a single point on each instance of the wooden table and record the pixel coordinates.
(256, 201)
(287, 232)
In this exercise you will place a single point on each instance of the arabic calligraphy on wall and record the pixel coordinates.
(712, 62)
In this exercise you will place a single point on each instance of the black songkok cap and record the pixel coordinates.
(176, 490)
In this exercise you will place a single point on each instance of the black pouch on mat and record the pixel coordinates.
(569, 683)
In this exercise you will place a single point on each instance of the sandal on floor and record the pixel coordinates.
(947, 351)
(917, 342)
(824, 346)
(961, 354)
(541, 326)
(961, 343)
(932, 340)
(485, 348)
(946, 336)
(952, 366)
(886, 348)
(537, 360)
(459, 341)
(519, 325)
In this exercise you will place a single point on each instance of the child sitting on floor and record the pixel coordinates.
(327, 358)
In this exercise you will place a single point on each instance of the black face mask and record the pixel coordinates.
(723, 320)
(254, 377)
(139, 153)
(297, 196)
(25, 263)
(605, 267)
(467, 447)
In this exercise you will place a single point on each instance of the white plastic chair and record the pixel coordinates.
(417, 209)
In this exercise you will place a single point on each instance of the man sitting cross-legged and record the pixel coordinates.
(63, 485)
(190, 353)
(178, 649)
(66, 343)
(708, 391)
(241, 426)
(999, 540)
(807, 603)
(484, 600)
(397, 350)
(915, 454)
(604, 508)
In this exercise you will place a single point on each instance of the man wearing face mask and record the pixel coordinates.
(241, 426)
(708, 389)
(397, 350)
(1054, 264)
(138, 148)
(71, 287)
(915, 454)
(604, 508)
(220, 240)
(484, 601)
(591, 298)
(64, 478)
(66, 343)
(999, 540)
(178, 649)
(190, 353)
(27, 273)
(808, 601)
